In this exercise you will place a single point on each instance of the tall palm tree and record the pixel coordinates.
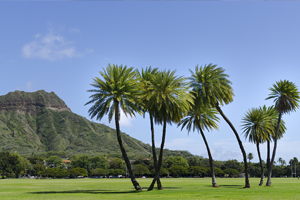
(117, 89)
(273, 114)
(145, 77)
(211, 83)
(202, 117)
(286, 98)
(257, 127)
(171, 100)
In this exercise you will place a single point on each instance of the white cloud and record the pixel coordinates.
(29, 85)
(51, 46)
(125, 121)
(74, 31)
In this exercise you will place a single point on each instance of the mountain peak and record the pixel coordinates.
(30, 102)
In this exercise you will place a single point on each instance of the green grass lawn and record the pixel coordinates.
(180, 188)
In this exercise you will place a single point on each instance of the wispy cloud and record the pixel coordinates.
(74, 31)
(51, 46)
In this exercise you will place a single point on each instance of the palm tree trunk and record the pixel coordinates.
(159, 186)
(214, 183)
(268, 154)
(274, 152)
(261, 165)
(247, 184)
(134, 182)
(160, 156)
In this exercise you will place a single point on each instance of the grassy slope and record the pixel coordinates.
(283, 188)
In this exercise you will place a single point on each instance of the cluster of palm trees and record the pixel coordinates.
(191, 103)
(264, 124)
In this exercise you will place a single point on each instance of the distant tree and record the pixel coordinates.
(250, 157)
(99, 172)
(178, 160)
(99, 162)
(74, 172)
(197, 170)
(116, 163)
(178, 170)
(140, 169)
(231, 172)
(56, 161)
(82, 162)
(117, 172)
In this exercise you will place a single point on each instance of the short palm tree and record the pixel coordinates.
(286, 98)
(202, 117)
(211, 84)
(171, 100)
(257, 127)
(117, 88)
(145, 77)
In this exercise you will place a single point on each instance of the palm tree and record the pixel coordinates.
(171, 100)
(273, 114)
(286, 98)
(117, 89)
(146, 76)
(202, 117)
(250, 157)
(256, 127)
(212, 85)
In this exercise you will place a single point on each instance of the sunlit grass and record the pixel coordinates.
(181, 188)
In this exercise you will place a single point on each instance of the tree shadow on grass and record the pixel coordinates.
(227, 186)
(86, 191)
(233, 186)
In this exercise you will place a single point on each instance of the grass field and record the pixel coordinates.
(180, 188)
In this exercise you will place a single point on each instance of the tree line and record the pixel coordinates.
(192, 103)
(52, 166)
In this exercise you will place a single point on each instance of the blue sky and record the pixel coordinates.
(61, 46)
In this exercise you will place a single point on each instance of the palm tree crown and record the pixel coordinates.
(119, 86)
(211, 83)
(200, 116)
(169, 96)
(286, 96)
(257, 125)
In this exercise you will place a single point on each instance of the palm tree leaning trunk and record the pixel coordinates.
(286, 97)
(211, 161)
(124, 154)
(169, 100)
(211, 84)
(268, 153)
(274, 152)
(261, 165)
(159, 185)
(145, 77)
(160, 156)
(200, 117)
(117, 89)
(247, 183)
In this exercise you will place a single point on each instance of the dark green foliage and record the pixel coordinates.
(178, 160)
(54, 173)
(178, 170)
(140, 169)
(74, 172)
(99, 172)
(231, 172)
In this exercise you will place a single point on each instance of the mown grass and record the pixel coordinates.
(181, 188)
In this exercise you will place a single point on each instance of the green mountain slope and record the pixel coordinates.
(41, 122)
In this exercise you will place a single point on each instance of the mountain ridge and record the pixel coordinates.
(35, 122)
